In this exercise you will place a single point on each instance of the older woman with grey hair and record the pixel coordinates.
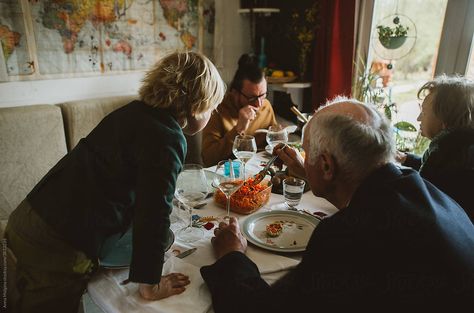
(397, 243)
(122, 174)
(447, 118)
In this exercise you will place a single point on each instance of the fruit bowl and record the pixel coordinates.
(247, 199)
(280, 80)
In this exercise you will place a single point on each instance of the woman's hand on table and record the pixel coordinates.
(171, 284)
(291, 158)
(228, 238)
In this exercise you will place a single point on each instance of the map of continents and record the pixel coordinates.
(14, 57)
(110, 35)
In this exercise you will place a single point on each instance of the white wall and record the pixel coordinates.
(53, 91)
(231, 40)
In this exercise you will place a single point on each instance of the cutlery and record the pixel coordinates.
(261, 175)
(124, 282)
(319, 216)
(299, 114)
(186, 253)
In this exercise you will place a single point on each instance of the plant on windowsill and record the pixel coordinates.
(393, 37)
(369, 89)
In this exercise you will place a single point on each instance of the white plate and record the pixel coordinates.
(297, 230)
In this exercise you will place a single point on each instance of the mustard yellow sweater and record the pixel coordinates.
(218, 135)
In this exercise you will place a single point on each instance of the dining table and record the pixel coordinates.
(111, 295)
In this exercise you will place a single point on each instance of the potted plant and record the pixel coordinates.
(392, 37)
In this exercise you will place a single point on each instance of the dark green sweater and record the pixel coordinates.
(448, 164)
(124, 172)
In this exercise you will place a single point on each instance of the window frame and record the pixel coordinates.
(456, 38)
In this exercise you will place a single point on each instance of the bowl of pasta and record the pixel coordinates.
(248, 198)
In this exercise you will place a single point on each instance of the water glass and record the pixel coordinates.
(293, 189)
(275, 135)
(191, 190)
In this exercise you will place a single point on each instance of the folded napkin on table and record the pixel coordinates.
(112, 297)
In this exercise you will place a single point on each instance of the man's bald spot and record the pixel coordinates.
(353, 110)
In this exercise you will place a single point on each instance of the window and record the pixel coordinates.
(414, 63)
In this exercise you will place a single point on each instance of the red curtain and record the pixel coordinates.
(333, 51)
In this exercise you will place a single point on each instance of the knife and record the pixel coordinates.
(186, 253)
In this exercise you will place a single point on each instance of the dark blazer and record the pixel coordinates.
(401, 245)
(448, 164)
(123, 172)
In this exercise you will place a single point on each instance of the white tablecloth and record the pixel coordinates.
(106, 291)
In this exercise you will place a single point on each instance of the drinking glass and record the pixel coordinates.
(275, 135)
(293, 189)
(191, 189)
(229, 179)
(244, 148)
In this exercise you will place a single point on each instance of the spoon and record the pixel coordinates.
(261, 175)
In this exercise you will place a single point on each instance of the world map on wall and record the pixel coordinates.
(15, 57)
(10, 40)
(70, 36)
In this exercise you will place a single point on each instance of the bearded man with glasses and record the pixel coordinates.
(243, 110)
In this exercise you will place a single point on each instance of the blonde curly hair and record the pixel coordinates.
(187, 83)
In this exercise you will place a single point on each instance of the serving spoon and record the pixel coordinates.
(261, 175)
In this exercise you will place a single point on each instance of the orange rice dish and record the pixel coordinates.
(248, 198)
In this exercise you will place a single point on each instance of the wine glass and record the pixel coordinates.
(244, 148)
(191, 189)
(275, 135)
(229, 179)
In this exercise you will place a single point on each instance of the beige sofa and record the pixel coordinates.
(33, 138)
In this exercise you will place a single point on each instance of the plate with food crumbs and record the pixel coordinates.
(279, 230)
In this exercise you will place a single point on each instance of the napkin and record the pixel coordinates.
(106, 291)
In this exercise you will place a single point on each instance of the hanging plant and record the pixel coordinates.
(393, 37)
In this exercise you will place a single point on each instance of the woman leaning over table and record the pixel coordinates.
(123, 173)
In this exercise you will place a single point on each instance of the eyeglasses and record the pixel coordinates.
(253, 99)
